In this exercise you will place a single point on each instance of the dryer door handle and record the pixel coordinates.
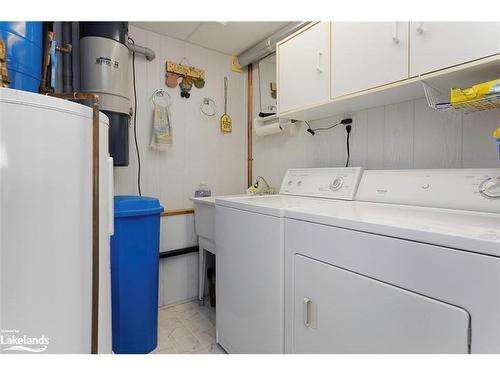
(307, 311)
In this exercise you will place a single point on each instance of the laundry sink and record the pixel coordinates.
(204, 217)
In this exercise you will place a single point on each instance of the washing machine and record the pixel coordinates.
(250, 256)
(412, 266)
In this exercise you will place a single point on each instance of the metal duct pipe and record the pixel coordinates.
(268, 45)
(148, 52)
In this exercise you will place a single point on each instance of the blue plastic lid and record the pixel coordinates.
(131, 205)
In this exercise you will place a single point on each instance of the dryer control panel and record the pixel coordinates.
(335, 183)
(463, 189)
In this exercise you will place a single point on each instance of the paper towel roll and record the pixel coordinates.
(268, 129)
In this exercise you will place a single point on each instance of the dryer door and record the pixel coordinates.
(337, 311)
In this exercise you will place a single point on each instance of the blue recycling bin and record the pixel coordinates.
(134, 274)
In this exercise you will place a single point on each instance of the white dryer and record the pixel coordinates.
(250, 256)
(413, 266)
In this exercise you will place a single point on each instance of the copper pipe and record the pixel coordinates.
(249, 125)
(46, 62)
(95, 209)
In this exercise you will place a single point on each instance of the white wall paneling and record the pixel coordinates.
(178, 279)
(199, 151)
(477, 141)
(438, 138)
(375, 129)
(398, 135)
(176, 232)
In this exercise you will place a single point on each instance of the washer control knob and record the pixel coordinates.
(290, 183)
(299, 183)
(336, 184)
(490, 188)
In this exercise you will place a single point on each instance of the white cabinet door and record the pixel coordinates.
(437, 45)
(337, 311)
(367, 54)
(304, 68)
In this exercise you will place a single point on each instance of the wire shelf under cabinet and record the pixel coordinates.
(440, 102)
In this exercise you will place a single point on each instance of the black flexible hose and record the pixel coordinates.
(135, 124)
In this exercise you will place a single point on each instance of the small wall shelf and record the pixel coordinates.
(463, 75)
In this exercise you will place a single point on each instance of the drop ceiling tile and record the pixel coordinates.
(178, 30)
(233, 37)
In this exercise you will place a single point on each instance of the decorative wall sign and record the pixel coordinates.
(185, 70)
(190, 76)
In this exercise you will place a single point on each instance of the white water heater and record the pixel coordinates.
(46, 225)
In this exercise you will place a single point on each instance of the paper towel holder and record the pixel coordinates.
(270, 125)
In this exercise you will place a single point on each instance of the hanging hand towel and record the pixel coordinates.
(162, 128)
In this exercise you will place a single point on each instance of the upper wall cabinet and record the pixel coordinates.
(438, 45)
(367, 54)
(304, 68)
(327, 69)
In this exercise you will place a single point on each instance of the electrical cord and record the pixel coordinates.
(348, 127)
(348, 130)
(312, 131)
(135, 123)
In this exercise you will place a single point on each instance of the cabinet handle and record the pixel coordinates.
(307, 304)
(395, 37)
(319, 65)
(420, 28)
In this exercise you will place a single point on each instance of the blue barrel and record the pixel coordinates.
(24, 53)
(134, 274)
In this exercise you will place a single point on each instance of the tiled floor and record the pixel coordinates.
(187, 328)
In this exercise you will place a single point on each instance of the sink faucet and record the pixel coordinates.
(255, 188)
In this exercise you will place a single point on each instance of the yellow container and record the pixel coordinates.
(475, 92)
